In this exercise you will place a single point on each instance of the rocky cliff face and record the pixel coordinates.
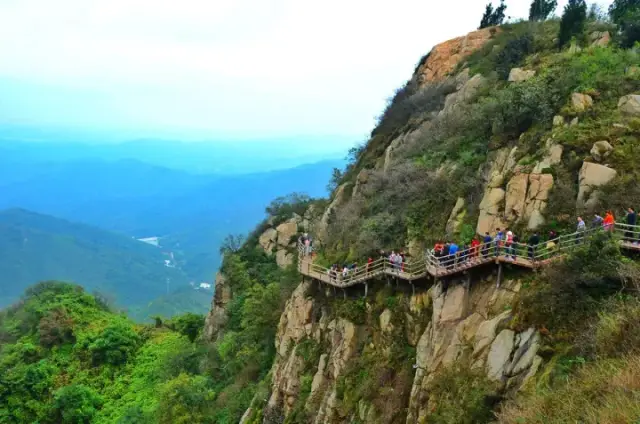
(380, 359)
(465, 323)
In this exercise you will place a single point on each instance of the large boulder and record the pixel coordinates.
(267, 240)
(286, 231)
(519, 75)
(630, 105)
(601, 150)
(592, 175)
(581, 102)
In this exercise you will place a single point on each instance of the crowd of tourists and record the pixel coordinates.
(502, 243)
(507, 243)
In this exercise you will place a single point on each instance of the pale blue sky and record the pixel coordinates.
(211, 69)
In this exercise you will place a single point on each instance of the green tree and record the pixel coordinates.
(115, 345)
(334, 181)
(76, 404)
(185, 400)
(541, 9)
(573, 21)
(188, 324)
(626, 14)
(491, 16)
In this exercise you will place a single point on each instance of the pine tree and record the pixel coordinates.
(491, 16)
(626, 14)
(541, 9)
(486, 18)
(572, 22)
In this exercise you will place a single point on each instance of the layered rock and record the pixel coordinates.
(468, 328)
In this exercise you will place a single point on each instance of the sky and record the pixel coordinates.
(211, 69)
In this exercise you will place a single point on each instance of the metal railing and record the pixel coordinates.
(521, 254)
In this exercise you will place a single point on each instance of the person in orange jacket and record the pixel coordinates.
(608, 222)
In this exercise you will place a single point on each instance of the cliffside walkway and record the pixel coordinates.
(519, 254)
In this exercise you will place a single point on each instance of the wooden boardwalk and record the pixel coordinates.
(520, 255)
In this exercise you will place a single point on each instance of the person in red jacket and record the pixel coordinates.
(474, 247)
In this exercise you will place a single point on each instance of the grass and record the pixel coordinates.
(606, 391)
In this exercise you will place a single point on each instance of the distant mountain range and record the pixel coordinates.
(197, 157)
(36, 247)
(191, 212)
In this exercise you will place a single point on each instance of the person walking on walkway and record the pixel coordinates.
(453, 252)
(632, 217)
(580, 230)
(369, 262)
(534, 240)
(475, 245)
(486, 243)
(597, 221)
(609, 221)
(509, 249)
(498, 241)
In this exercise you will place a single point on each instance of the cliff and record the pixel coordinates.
(494, 129)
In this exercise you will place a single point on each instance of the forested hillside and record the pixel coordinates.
(37, 247)
(66, 358)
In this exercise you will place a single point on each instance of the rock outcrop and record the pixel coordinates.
(601, 150)
(581, 102)
(444, 57)
(630, 105)
(519, 75)
(592, 175)
(217, 316)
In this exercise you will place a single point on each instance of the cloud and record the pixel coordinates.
(242, 67)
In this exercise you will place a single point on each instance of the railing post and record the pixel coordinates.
(344, 294)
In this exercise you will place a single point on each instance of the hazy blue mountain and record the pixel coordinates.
(36, 247)
(192, 212)
(224, 157)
